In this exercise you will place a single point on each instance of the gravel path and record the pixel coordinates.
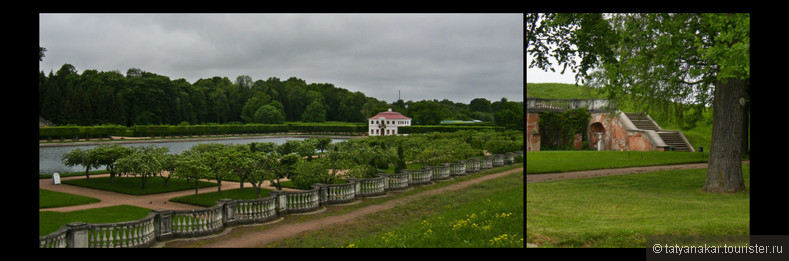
(531, 178)
(108, 198)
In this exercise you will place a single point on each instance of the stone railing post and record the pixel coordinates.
(386, 181)
(281, 200)
(163, 224)
(323, 193)
(77, 235)
(228, 212)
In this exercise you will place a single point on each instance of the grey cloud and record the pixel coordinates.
(443, 56)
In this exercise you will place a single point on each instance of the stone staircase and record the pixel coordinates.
(671, 138)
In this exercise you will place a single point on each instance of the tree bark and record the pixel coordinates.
(724, 173)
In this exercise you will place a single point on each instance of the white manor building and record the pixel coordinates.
(386, 123)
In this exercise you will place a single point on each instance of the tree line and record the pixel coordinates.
(93, 97)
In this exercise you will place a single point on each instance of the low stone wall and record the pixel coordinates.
(162, 225)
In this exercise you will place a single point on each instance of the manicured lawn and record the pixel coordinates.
(50, 221)
(132, 185)
(563, 161)
(209, 199)
(620, 211)
(53, 199)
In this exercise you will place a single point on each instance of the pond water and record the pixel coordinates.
(49, 157)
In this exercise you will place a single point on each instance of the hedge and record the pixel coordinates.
(327, 127)
(416, 129)
(80, 132)
(210, 129)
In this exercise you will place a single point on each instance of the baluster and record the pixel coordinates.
(198, 221)
(195, 222)
(134, 234)
(93, 242)
(132, 238)
(183, 220)
(143, 233)
(111, 242)
(121, 236)
(207, 222)
(177, 222)
(103, 237)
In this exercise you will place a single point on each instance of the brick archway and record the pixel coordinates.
(596, 128)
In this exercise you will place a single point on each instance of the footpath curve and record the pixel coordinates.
(532, 178)
(152, 201)
(257, 239)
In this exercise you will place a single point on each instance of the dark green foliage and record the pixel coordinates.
(144, 98)
(445, 128)
(400, 165)
(82, 132)
(557, 130)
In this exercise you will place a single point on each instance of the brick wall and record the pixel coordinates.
(532, 132)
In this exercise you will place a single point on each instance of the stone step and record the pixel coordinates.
(674, 140)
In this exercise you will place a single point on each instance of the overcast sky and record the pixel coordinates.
(426, 56)
(537, 75)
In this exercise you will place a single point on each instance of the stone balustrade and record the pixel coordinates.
(398, 181)
(132, 234)
(487, 162)
(163, 225)
(370, 187)
(559, 105)
(473, 165)
(458, 168)
(442, 171)
(421, 176)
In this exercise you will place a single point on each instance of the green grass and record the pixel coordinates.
(493, 220)
(559, 91)
(410, 166)
(53, 199)
(620, 211)
(73, 174)
(488, 214)
(209, 199)
(133, 185)
(50, 221)
(563, 161)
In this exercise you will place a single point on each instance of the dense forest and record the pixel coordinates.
(141, 98)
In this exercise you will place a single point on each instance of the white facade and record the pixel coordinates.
(386, 123)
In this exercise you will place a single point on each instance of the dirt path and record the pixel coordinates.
(256, 239)
(107, 198)
(531, 178)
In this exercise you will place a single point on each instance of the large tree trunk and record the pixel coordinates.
(725, 169)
